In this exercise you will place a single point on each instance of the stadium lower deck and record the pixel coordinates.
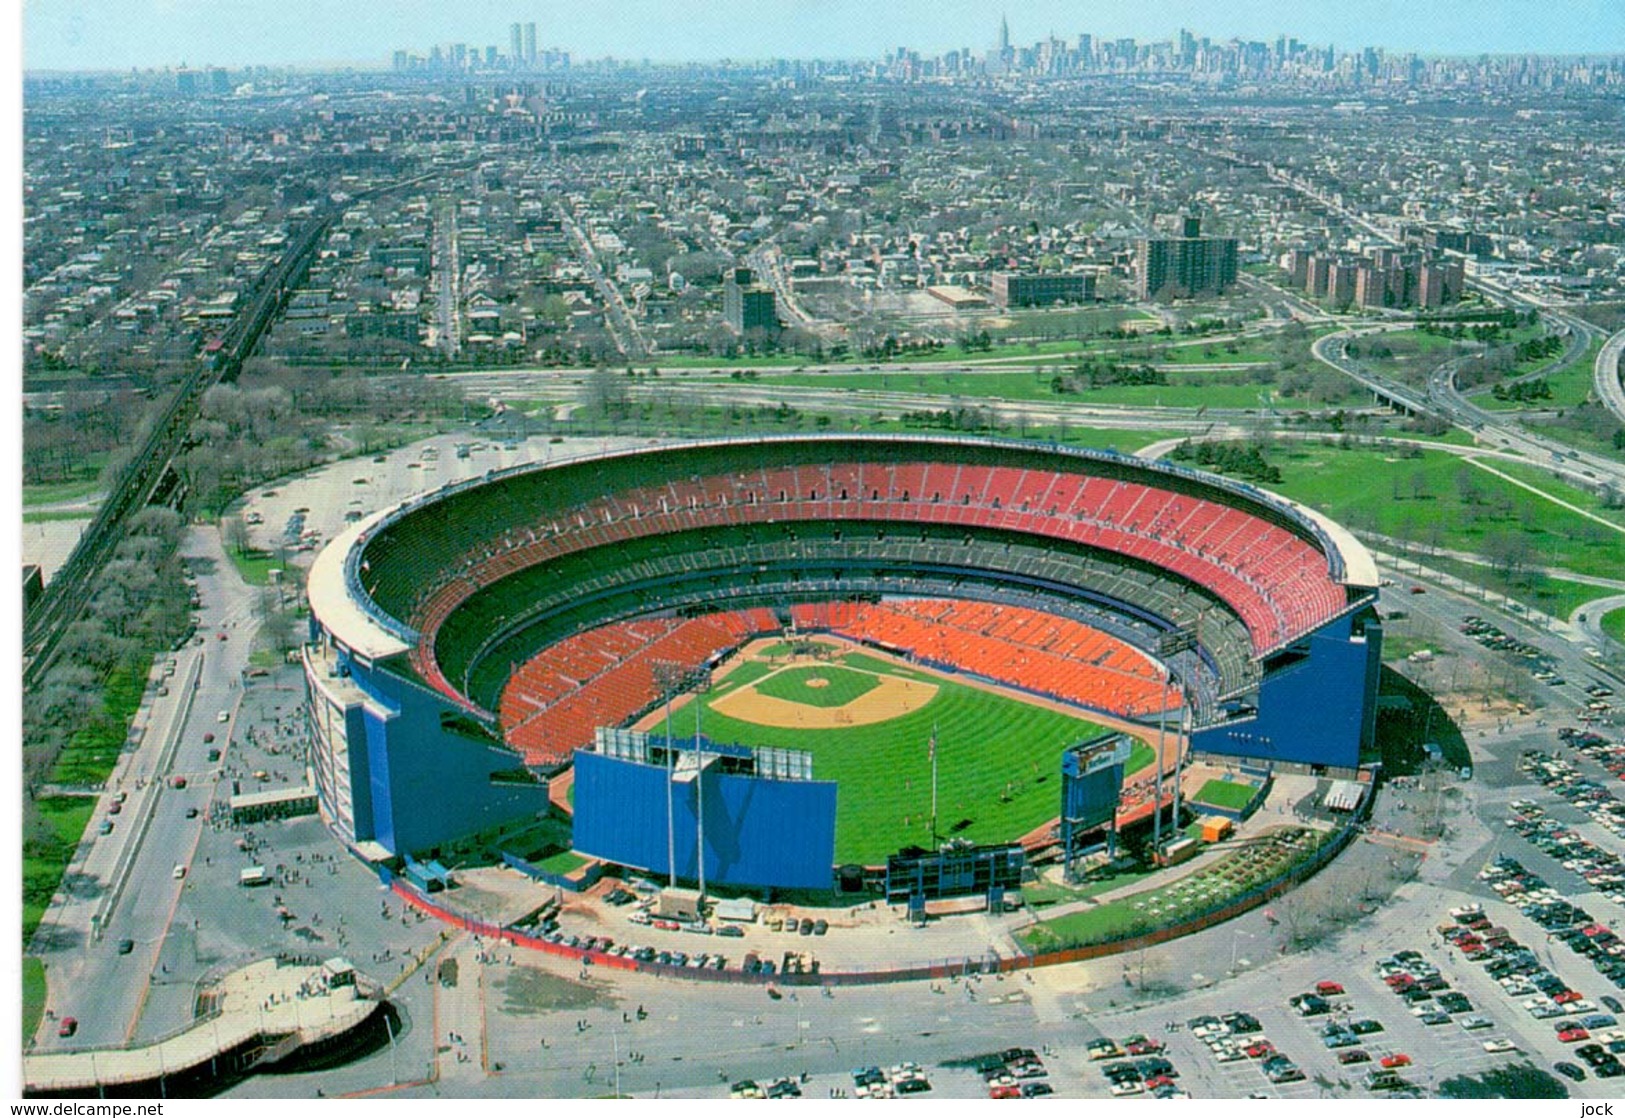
(608, 675)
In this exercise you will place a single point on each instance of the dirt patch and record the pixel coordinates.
(891, 698)
(817, 682)
(531, 991)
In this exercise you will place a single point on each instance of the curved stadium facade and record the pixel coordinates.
(468, 642)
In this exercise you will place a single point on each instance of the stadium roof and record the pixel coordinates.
(352, 624)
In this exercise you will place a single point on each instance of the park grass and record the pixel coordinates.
(1420, 499)
(998, 762)
(1571, 386)
(253, 565)
(46, 516)
(841, 685)
(1531, 474)
(1613, 623)
(1225, 794)
(1045, 892)
(1556, 597)
(58, 492)
(34, 993)
(91, 754)
(44, 860)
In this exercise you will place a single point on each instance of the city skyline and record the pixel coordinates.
(91, 35)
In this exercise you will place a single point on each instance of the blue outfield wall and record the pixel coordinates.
(420, 785)
(1318, 710)
(758, 831)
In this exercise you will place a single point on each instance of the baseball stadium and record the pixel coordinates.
(758, 662)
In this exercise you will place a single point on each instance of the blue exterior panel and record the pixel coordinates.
(1314, 711)
(422, 784)
(758, 832)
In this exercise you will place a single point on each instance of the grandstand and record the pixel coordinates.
(533, 602)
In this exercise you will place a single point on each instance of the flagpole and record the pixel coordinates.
(933, 784)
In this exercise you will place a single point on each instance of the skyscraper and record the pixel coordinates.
(530, 45)
(516, 45)
(1004, 35)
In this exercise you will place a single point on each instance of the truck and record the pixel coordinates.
(254, 876)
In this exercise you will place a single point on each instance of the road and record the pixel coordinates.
(1440, 398)
(448, 283)
(1607, 376)
(622, 327)
(122, 885)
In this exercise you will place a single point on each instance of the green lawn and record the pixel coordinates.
(998, 769)
(1248, 866)
(563, 863)
(43, 516)
(58, 492)
(1225, 794)
(818, 686)
(1570, 387)
(91, 754)
(748, 672)
(44, 861)
(1557, 597)
(1438, 499)
(254, 566)
(1613, 623)
(1562, 490)
(34, 992)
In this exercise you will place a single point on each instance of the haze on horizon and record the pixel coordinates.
(120, 34)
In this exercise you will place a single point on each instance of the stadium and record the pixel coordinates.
(751, 662)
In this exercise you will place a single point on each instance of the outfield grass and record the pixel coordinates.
(563, 863)
(799, 685)
(1225, 794)
(748, 672)
(998, 762)
(1439, 499)
(44, 861)
(34, 993)
(1613, 623)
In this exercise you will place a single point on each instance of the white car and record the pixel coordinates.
(223, 716)
(1500, 1044)
(1475, 1021)
(1128, 1087)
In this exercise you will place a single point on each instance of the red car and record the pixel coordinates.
(1328, 989)
(1004, 1091)
(178, 782)
(1397, 1060)
(1144, 1046)
(666, 925)
(1260, 1048)
(68, 1027)
(1572, 1035)
(1158, 1081)
(1565, 996)
(208, 737)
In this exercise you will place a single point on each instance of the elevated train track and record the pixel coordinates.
(150, 476)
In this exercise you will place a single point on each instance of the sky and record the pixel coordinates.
(119, 34)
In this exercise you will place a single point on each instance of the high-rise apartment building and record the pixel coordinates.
(748, 305)
(1185, 266)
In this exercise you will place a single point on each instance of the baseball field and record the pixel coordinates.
(868, 721)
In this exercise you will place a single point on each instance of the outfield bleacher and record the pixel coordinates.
(1026, 648)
